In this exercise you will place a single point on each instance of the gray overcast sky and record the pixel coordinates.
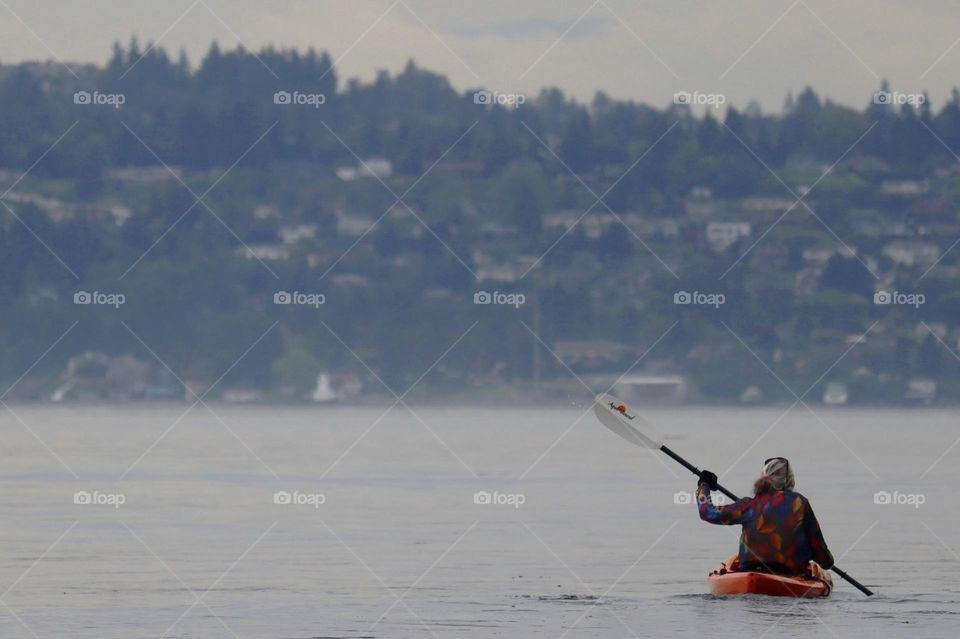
(744, 49)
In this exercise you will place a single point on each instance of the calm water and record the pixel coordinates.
(398, 548)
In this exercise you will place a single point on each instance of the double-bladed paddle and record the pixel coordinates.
(616, 416)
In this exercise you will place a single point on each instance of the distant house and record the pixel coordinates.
(491, 270)
(904, 188)
(855, 338)
(666, 229)
(640, 387)
(352, 224)
(766, 204)
(921, 390)
(293, 234)
(821, 253)
(372, 167)
(56, 210)
(701, 193)
(868, 222)
(836, 394)
(723, 235)
(265, 252)
(591, 353)
(264, 211)
(912, 253)
(803, 162)
(939, 230)
(595, 224)
(947, 171)
(241, 395)
(120, 213)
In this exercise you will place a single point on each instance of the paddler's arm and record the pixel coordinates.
(727, 515)
(821, 554)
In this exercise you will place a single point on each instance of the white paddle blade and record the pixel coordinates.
(618, 417)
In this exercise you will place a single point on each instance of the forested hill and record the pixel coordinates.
(199, 192)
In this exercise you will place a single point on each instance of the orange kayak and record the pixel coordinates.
(723, 581)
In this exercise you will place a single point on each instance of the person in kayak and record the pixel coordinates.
(780, 532)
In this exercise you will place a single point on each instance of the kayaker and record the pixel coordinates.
(780, 532)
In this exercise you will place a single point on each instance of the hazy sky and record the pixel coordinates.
(758, 49)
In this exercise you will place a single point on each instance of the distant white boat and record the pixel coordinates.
(323, 392)
(60, 393)
(836, 394)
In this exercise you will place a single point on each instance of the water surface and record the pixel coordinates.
(399, 548)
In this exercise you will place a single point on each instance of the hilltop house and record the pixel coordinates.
(265, 252)
(372, 167)
(904, 188)
(491, 270)
(591, 354)
(353, 224)
(295, 233)
(921, 390)
(821, 253)
(912, 253)
(723, 235)
(766, 204)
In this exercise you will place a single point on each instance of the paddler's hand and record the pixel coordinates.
(708, 478)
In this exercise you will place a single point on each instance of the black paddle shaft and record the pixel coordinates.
(696, 471)
(693, 469)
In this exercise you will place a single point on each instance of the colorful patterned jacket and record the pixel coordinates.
(780, 531)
